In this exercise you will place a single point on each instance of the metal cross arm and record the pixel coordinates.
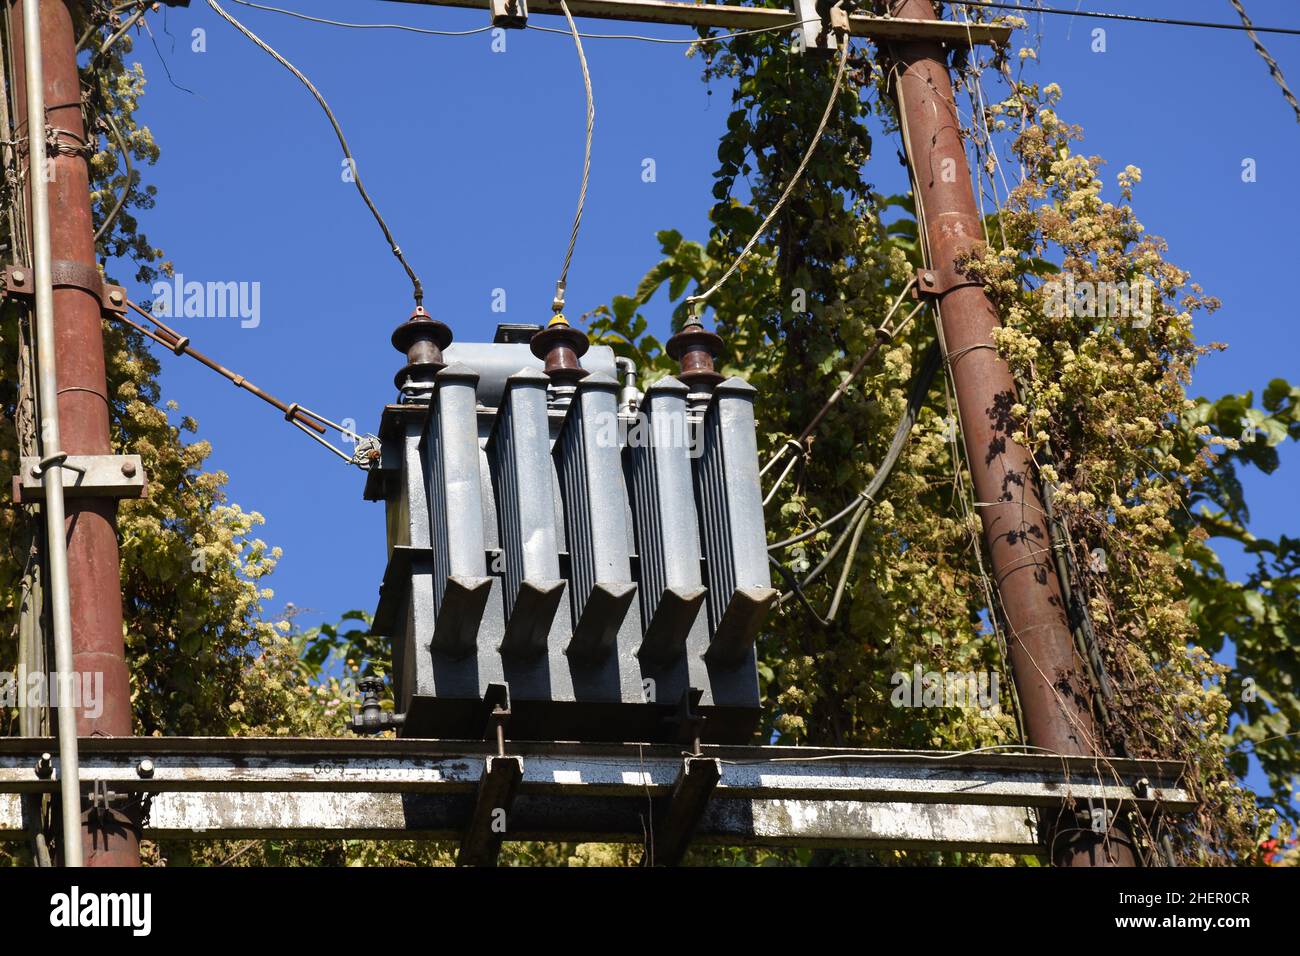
(405, 789)
(728, 17)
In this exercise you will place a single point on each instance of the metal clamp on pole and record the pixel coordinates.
(935, 283)
(821, 24)
(510, 14)
(19, 281)
(481, 844)
(86, 476)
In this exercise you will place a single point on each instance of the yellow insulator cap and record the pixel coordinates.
(559, 319)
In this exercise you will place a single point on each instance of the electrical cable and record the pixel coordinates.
(929, 365)
(417, 288)
(699, 299)
(561, 285)
(565, 33)
(780, 478)
(916, 398)
(163, 60)
(98, 22)
(862, 505)
(365, 26)
(1125, 17)
(883, 334)
(824, 526)
(797, 589)
(131, 21)
(848, 565)
(790, 445)
(1026, 750)
(1274, 70)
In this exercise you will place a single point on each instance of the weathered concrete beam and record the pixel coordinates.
(394, 816)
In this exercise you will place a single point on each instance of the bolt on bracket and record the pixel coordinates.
(19, 280)
(88, 476)
(820, 22)
(934, 283)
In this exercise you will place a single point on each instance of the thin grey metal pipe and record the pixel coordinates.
(51, 453)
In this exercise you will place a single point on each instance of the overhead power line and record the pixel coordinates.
(1125, 17)
(562, 283)
(697, 301)
(1274, 70)
(565, 33)
(364, 26)
(417, 288)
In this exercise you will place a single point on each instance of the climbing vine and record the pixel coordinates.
(1142, 476)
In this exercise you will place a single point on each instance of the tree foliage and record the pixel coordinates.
(202, 655)
(1141, 475)
(1136, 468)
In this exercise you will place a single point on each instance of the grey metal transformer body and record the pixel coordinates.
(608, 565)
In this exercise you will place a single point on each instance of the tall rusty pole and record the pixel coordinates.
(93, 569)
(1054, 696)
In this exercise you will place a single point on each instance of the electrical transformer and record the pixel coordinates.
(592, 554)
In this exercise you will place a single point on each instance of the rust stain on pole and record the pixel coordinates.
(93, 569)
(1053, 694)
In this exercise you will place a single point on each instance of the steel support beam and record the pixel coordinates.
(493, 804)
(687, 806)
(727, 17)
(206, 788)
(162, 764)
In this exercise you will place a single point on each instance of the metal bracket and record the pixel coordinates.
(695, 783)
(820, 22)
(497, 701)
(112, 813)
(515, 333)
(19, 280)
(481, 844)
(496, 788)
(935, 283)
(90, 476)
(688, 720)
(510, 14)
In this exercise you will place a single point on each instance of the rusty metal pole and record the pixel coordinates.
(1049, 677)
(83, 405)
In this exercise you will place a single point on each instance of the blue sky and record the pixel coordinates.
(473, 157)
